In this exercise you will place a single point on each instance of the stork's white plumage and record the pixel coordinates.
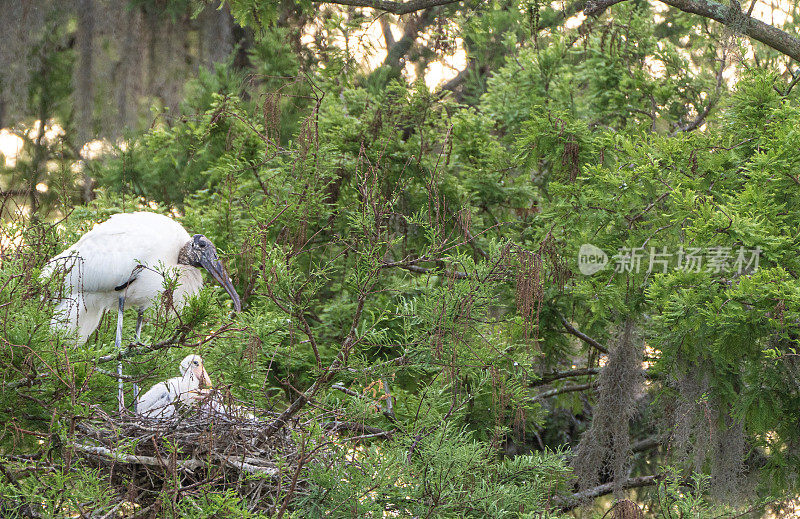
(160, 400)
(121, 263)
(128, 255)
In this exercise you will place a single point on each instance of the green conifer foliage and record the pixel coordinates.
(420, 335)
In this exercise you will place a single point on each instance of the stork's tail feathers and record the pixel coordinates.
(73, 316)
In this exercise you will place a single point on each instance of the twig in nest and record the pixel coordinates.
(188, 465)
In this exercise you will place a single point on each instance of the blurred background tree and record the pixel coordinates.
(400, 191)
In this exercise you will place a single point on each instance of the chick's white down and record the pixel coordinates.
(160, 400)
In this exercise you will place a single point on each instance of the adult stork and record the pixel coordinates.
(121, 263)
(160, 400)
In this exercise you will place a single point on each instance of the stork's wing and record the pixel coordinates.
(99, 262)
(107, 256)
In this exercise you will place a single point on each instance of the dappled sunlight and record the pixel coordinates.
(655, 67)
(439, 72)
(10, 238)
(774, 12)
(575, 21)
(789, 509)
(10, 147)
(367, 47)
(97, 148)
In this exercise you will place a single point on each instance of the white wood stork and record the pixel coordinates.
(160, 400)
(120, 264)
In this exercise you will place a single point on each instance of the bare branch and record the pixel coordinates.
(417, 24)
(15, 192)
(701, 117)
(311, 339)
(557, 375)
(646, 444)
(326, 377)
(391, 6)
(189, 464)
(580, 335)
(346, 391)
(472, 65)
(756, 29)
(411, 266)
(794, 81)
(565, 389)
(471, 239)
(386, 29)
(601, 490)
(447, 273)
(460, 78)
(598, 7)
(358, 427)
(767, 34)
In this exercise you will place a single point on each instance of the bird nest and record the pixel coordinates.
(216, 443)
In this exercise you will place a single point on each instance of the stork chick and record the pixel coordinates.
(160, 400)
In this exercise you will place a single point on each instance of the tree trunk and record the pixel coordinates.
(2, 111)
(216, 35)
(84, 87)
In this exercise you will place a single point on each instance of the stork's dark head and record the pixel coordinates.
(200, 252)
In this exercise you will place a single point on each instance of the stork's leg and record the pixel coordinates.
(118, 345)
(139, 319)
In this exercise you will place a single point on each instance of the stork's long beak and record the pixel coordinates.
(217, 270)
(205, 378)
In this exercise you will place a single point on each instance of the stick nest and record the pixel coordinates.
(221, 444)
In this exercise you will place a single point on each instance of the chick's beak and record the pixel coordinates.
(217, 270)
(202, 376)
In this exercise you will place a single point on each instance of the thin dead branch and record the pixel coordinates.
(393, 7)
(607, 488)
(565, 389)
(767, 34)
(582, 336)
